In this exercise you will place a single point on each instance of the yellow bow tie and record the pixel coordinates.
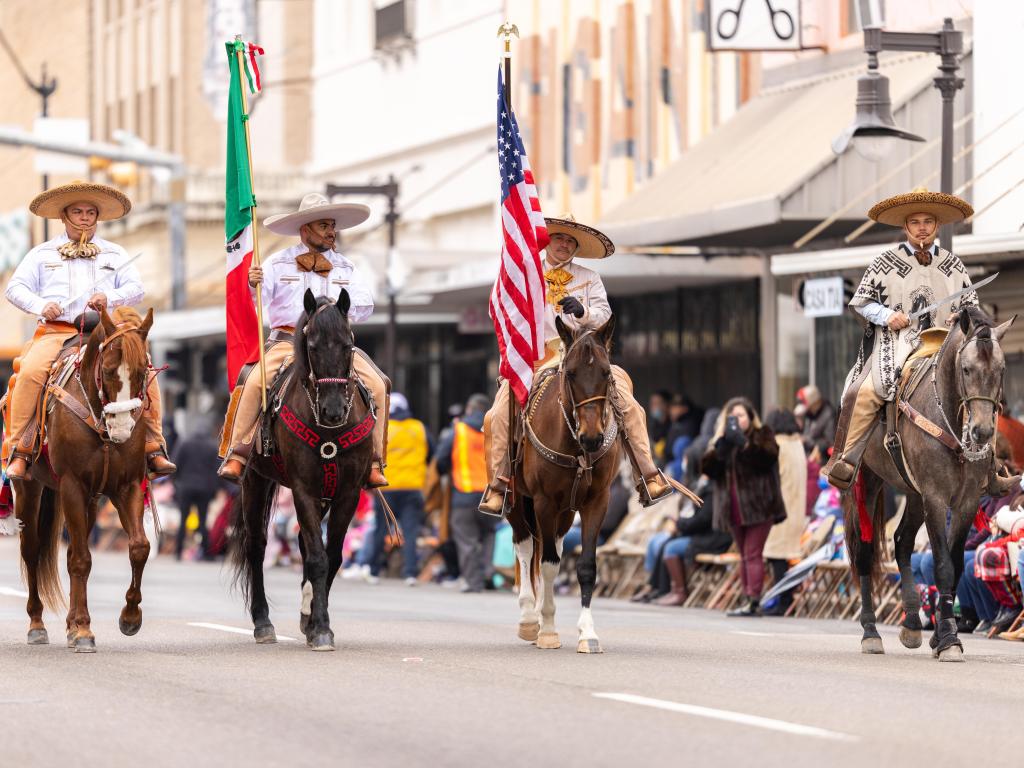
(558, 280)
(78, 249)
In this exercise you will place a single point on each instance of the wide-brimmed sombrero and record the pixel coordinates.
(314, 207)
(111, 203)
(946, 209)
(593, 244)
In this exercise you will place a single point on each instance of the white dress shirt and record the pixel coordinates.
(587, 286)
(284, 286)
(879, 314)
(44, 276)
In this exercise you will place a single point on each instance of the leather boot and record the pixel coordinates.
(231, 470)
(17, 467)
(493, 501)
(750, 608)
(678, 592)
(376, 477)
(157, 461)
(654, 488)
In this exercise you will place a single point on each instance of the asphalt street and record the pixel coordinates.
(428, 676)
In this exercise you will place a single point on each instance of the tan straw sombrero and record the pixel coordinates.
(593, 244)
(111, 203)
(945, 208)
(314, 207)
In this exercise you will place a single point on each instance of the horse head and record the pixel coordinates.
(587, 375)
(324, 345)
(980, 366)
(121, 365)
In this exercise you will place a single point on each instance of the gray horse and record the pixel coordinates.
(960, 393)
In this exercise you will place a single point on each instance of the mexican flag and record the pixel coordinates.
(242, 330)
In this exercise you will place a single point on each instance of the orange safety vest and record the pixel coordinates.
(469, 465)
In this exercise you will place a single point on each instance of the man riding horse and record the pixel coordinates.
(578, 295)
(312, 265)
(900, 282)
(59, 280)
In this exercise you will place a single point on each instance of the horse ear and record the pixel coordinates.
(108, 325)
(564, 333)
(147, 323)
(965, 322)
(1000, 331)
(344, 302)
(309, 302)
(605, 334)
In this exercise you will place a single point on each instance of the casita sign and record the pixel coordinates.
(824, 297)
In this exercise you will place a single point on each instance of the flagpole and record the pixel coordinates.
(255, 226)
(508, 30)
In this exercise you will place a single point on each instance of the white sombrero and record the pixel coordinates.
(945, 208)
(314, 207)
(593, 244)
(110, 203)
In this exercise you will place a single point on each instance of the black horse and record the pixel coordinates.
(316, 441)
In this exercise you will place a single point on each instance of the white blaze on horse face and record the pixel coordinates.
(121, 424)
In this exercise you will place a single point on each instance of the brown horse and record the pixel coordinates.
(319, 445)
(960, 397)
(95, 445)
(568, 461)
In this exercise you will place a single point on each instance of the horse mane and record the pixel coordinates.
(981, 330)
(133, 348)
(586, 340)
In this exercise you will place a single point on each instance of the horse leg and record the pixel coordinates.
(26, 503)
(913, 517)
(862, 538)
(73, 499)
(551, 558)
(319, 636)
(945, 644)
(130, 509)
(522, 540)
(338, 521)
(256, 498)
(586, 573)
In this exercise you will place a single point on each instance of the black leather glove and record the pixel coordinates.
(572, 306)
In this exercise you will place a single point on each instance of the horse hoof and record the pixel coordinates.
(592, 645)
(85, 645)
(38, 637)
(528, 631)
(265, 634)
(129, 628)
(548, 641)
(71, 639)
(871, 645)
(323, 642)
(911, 638)
(303, 622)
(954, 653)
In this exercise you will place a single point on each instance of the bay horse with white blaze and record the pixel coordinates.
(95, 445)
(956, 405)
(567, 463)
(316, 442)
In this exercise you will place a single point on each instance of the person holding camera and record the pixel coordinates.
(743, 462)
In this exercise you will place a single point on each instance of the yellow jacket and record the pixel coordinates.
(407, 455)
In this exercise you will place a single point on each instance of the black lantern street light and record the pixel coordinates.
(873, 127)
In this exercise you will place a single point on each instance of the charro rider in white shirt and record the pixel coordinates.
(50, 283)
(284, 278)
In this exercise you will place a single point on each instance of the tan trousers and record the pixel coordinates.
(36, 359)
(865, 408)
(248, 412)
(496, 427)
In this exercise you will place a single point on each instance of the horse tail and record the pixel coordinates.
(863, 526)
(250, 513)
(49, 525)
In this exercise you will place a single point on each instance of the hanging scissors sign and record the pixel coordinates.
(754, 25)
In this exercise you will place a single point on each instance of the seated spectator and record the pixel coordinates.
(618, 507)
(819, 426)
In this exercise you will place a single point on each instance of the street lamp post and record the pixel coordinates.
(389, 190)
(871, 120)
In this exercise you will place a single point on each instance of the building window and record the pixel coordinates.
(393, 25)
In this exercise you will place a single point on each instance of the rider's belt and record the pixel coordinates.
(282, 333)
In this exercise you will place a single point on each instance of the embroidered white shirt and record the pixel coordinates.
(587, 286)
(284, 286)
(44, 276)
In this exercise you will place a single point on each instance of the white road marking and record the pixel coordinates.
(234, 630)
(12, 592)
(752, 634)
(732, 717)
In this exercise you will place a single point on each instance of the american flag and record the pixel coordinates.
(517, 299)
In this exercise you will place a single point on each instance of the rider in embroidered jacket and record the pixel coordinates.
(902, 280)
(578, 295)
(49, 284)
(283, 280)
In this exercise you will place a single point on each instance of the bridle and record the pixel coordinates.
(135, 405)
(314, 382)
(571, 417)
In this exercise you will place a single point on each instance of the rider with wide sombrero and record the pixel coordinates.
(313, 265)
(902, 280)
(578, 295)
(59, 280)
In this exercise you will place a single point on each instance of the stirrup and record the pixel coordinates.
(647, 499)
(490, 493)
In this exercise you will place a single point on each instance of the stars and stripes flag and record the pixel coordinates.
(517, 299)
